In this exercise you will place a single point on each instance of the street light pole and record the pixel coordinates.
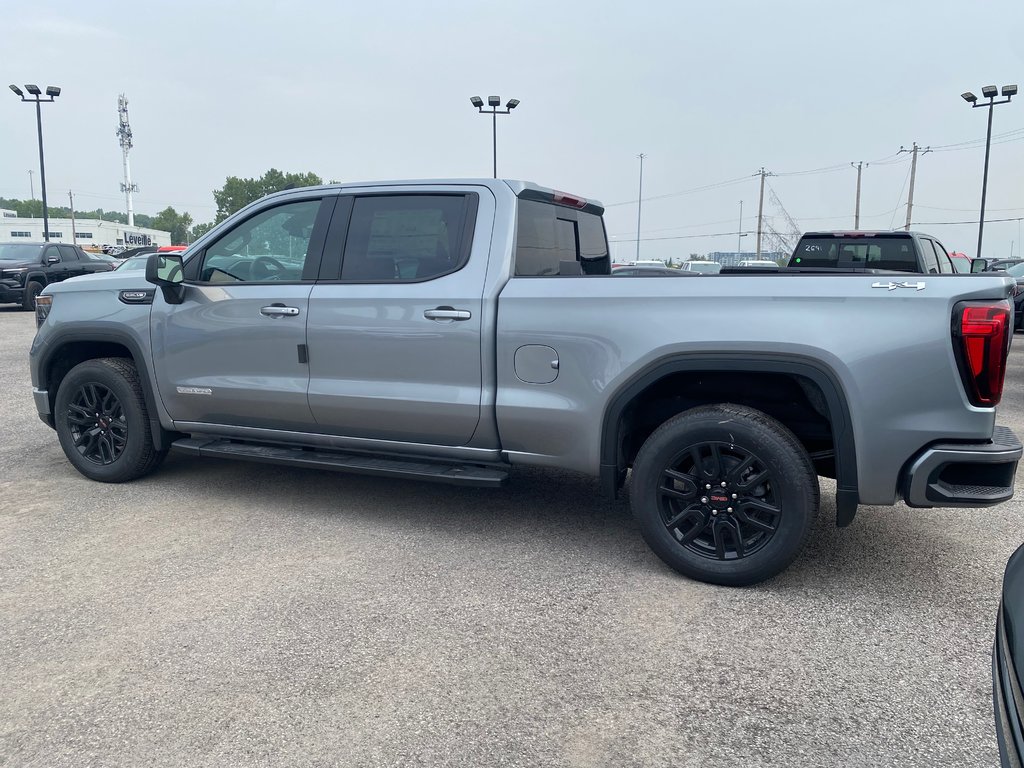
(52, 92)
(494, 102)
(990, 92)
(639, 204)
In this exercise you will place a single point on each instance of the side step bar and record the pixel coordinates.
(448, 472)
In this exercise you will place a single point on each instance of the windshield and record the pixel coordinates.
(134, 264)
(18, 252)
(1017, 270)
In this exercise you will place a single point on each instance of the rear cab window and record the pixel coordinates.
(860, 251)
(559, 239)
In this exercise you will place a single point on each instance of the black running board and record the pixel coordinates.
(441, 471)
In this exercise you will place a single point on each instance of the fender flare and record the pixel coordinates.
(838, 411)
(84, 332)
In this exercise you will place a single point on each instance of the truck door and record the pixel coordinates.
(395, 319)
(233, 352)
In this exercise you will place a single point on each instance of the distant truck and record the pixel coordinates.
(898, 250)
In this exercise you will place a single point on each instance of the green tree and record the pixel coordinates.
(238, 193)
(200, 229)
(169, 220)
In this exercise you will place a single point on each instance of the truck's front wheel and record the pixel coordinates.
(102, 424)
(724, 494)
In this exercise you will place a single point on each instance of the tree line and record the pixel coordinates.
(233, 196)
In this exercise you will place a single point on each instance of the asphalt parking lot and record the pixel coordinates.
(237, 614)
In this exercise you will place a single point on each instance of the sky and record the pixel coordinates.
(710, 92)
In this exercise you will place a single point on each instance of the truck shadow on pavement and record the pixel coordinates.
(562, 516)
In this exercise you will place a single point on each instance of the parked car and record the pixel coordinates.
(638, 270)
(704, 267)
(1016, 271)
(899, 250)
(27, 268)
(1008, 664)
(447, 331)
(994, 265)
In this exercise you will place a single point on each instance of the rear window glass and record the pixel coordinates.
(865, 252)
(551, 239)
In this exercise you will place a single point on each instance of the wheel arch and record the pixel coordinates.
(802, 371)
(70, 348)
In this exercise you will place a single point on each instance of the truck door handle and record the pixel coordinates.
(279, 310)
(447, 313)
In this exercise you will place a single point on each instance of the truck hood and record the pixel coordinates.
(19, 263)
(101, 281)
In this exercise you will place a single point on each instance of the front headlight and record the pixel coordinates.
(43, 304)
(14, 274)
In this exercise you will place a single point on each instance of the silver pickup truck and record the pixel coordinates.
(450, 330)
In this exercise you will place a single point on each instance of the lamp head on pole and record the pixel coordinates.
(476, 101)
(52, 91)
(33, 89)
(969, 97)
(1009, 90)
(17, 90)
(989, 91)
(494, 101)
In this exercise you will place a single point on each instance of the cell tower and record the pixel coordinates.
(124, 136)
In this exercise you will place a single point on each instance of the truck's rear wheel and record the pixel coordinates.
(724, 494)
(102, 424)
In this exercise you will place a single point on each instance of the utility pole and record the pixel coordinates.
(74, 237)
(913, 176)
(760, 209)
(31, 185)
(639, 204)
(856, 211)
(739, 233)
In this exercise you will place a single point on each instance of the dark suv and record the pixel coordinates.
(27, 268)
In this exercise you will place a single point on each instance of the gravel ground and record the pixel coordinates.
(222, 613)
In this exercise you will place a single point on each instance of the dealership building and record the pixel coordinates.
(84, 232)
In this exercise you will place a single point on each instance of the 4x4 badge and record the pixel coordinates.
(919, 286)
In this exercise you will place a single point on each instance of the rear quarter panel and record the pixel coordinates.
(890, 351)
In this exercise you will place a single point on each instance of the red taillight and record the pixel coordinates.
(982, 342)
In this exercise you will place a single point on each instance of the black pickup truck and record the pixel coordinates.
(27, 268)
(899, 250)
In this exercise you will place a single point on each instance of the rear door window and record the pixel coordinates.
(68, 253)
(407, 237)
(945, 264)
(931, 265)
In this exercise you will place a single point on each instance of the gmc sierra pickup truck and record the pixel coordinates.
(450, 330)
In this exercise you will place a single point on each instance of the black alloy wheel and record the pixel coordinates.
(102, 421)
(718, 501)
(725, 494)
(96, 421)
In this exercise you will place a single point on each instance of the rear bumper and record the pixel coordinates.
(964, 474)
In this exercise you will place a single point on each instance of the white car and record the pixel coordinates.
(758, 263)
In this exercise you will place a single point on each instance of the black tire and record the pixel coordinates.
(102, 423)
(28, 303)
(740, 534)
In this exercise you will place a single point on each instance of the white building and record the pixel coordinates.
(86, 233)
